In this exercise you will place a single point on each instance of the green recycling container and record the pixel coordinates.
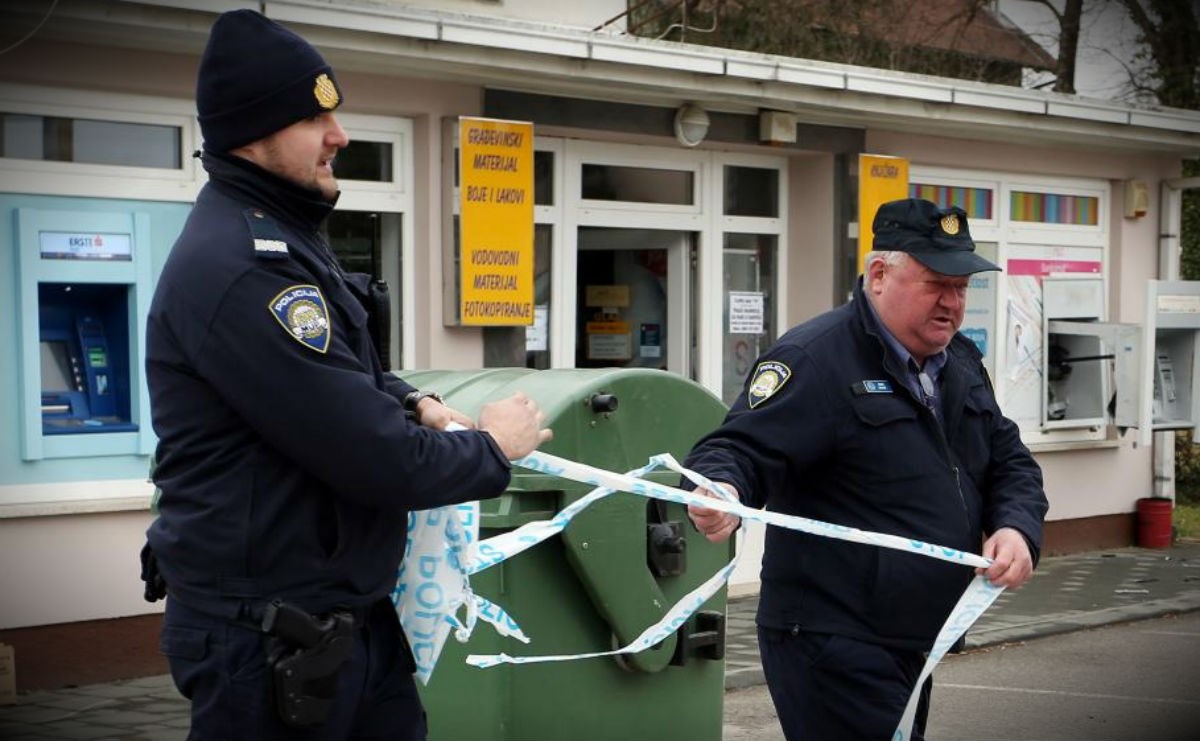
(616, 570)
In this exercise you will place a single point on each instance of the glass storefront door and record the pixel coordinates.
(631, 298)
(749, 319)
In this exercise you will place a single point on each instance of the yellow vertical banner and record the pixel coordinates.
(880, 179)
(496, 222)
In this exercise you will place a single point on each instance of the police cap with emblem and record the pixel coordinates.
(256, 77)
(937, 237)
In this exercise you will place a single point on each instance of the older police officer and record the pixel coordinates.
(286, 460)
(877, 415)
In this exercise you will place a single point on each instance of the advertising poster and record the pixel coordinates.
(496, 212)
(979, 319)
(1023, 354)
(880, 179)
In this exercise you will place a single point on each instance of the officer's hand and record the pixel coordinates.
(716, 525)
(435, 414)
(516, 424)
(1012, 563)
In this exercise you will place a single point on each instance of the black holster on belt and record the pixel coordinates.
(304, 655)
(156, 587)
(372, 293)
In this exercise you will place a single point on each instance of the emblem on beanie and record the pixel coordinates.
(326, 92)
(950, 224)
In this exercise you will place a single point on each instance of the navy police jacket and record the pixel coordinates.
(286, 463)
(826, 429)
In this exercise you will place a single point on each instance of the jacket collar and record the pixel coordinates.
(954, 381)
(283, 199)
(870, 325)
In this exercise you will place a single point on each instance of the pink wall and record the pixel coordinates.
(1083, 480)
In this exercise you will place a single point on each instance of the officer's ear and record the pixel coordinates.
(873, 274)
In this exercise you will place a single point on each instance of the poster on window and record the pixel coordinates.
(979, 317)
(746, 312)
(1025, 269)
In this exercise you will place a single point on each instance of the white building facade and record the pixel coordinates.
(98, 129)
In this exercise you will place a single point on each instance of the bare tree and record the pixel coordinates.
(1170, 36)
(1069, 21)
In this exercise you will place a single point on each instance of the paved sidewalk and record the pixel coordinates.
(1067, 593)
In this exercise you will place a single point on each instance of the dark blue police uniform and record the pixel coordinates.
(286, 463)
(827, 429)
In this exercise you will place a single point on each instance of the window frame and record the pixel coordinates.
(43, 177)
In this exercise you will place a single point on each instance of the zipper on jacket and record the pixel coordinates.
(962, 499)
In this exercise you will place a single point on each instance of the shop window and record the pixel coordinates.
(1054, 208)
(58, 139)
(638, 184)
(977, 202)
(365, 160)
(355, 238)
(367, 242)
(751, 191)
(543, 178)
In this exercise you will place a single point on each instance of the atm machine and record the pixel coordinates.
(84, 287)
(1154, 366)
(83, 347)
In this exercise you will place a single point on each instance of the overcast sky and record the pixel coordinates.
(1108, 42)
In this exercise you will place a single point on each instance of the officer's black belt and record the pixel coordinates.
(249, 614)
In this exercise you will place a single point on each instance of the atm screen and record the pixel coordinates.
(56, 366)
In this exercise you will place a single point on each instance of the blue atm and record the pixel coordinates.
(84, 285)
(83, 345)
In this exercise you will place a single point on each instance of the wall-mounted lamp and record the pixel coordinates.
(691, 125)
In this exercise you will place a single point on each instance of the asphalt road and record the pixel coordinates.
(1131, 681)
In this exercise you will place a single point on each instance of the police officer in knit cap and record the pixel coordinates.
(877, 415)
(287, 458)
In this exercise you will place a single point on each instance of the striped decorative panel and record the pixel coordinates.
(977, 202)
(1051, 208)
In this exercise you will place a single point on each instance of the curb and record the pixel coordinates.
(1068, 622)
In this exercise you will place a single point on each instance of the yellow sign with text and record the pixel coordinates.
(496, 222)
(880, 179)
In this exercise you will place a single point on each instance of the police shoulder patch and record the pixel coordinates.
(301, 310)
(268, 238)
(769, 377)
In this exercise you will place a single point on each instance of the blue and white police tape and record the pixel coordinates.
(441, 551)
(431, 599)
(679, 612)
(979, 595)
(555, 466)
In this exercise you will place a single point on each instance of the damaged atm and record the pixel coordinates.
(1135, 376)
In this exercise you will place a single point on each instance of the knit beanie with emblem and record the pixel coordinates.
(257, 77)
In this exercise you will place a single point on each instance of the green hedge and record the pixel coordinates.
(1187, 468)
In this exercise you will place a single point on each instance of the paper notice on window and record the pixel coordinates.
(537, 335)
(745, 312)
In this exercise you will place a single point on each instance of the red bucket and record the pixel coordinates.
(1154, 522)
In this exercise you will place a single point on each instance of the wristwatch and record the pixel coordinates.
(413, 398)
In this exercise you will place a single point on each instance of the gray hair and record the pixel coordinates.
(891, 258)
